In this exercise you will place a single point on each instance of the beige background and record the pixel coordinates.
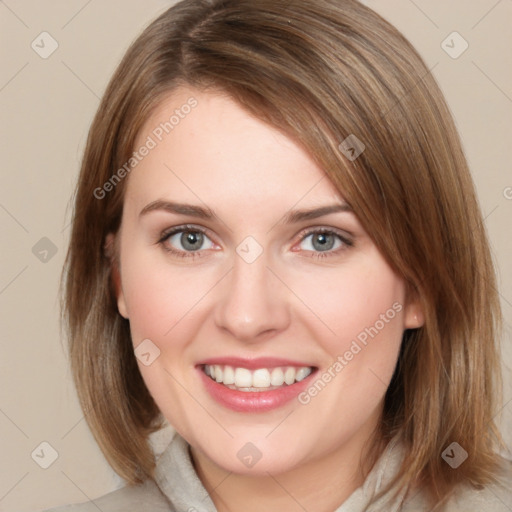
(46, 108)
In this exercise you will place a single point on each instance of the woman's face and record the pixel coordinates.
(238, 258)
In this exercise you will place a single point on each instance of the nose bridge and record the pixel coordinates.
(252, 302)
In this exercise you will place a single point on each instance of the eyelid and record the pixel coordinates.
(346, 236)
(168, 233)
(164, 235)
(346, 239)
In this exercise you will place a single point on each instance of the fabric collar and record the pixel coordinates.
(178, 480)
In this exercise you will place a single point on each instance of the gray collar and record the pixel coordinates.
(178, 480)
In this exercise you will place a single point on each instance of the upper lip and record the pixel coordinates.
(254, 363)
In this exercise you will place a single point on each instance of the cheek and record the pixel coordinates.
(159, 297)
(362, 306)
(362, 311)
(164, 304)
(352, 301)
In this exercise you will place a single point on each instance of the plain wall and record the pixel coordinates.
(47, 106)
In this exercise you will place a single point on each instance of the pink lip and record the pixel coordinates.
(253, 364)
(253, 401)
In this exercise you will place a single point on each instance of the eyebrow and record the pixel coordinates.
(296, 216)
(179, 208)
(292, 217)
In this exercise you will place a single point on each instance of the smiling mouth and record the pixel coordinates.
(260, 379)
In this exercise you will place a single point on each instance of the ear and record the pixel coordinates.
(414, 316)
(112, 255)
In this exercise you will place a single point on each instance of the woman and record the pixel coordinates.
(277, 249)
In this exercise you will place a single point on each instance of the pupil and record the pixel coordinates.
(323, 242)
(191, 240)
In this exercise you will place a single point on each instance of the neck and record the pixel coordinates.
(321, 484)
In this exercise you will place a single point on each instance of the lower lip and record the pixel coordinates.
(253, 401)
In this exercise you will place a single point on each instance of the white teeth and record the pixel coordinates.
(244, 379)
(289, 375)
(302, 373)
(277, 377)
(229, 375)
(261, 378)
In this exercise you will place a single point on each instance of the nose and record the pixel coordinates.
(253, 304)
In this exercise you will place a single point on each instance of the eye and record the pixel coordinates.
(183, 239)
(324, 241)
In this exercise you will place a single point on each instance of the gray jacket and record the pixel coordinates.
(178, 489)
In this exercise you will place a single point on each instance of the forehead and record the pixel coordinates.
(205, 147)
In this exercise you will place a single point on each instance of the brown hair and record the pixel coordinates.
(319, 70)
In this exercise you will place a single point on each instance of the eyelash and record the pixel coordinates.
(347, 242)
(178, 229)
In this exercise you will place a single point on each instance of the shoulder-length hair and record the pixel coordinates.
(320, 71)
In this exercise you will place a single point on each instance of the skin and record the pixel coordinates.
(290, 302)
